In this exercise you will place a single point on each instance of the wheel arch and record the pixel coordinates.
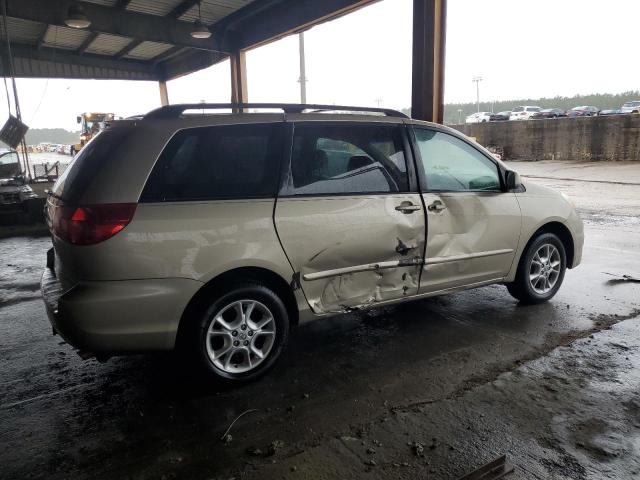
(562, 232)
(201, 299)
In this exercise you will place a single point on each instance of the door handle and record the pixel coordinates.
(408, 208)
(436, 206)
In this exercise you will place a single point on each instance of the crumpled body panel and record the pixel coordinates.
(350, 251)
(472, 240)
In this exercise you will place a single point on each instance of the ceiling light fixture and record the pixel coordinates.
(76, 17)
(200, 30)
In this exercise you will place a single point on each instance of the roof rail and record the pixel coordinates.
(174, 111)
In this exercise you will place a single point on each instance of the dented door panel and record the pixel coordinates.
(472, 239)
(353, 250)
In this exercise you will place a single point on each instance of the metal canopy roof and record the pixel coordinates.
(148, 39)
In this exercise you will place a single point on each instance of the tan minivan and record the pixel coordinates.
(219, 232)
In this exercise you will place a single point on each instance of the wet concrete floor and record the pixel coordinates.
(429, 389)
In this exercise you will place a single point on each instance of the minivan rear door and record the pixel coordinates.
(348, 214)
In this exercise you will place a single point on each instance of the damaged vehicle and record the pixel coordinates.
(217, 233)
(14, 192)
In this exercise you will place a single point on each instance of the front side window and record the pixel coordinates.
(452, 165)
(219, 162)
(346, 159)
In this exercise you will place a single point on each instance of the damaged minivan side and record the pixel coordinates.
(219, 233)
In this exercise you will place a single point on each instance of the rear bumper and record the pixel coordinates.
(118, 316)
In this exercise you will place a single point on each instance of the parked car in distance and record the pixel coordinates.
(231, 229)
(479, 117)
(549, 113)
(524, 112)
(631, 107)
(583, 111)
(500, 116)
(613, 111)
(15, 194)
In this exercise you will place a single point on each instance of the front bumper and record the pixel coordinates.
(117, 316)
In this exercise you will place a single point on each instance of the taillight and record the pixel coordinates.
(90, 224)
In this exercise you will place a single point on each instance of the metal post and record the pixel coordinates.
(429, 37)
(459, 116)
(477, 80)
(239, 93)
(164, 94)
(303, 70)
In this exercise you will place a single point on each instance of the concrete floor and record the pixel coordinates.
(430, 389)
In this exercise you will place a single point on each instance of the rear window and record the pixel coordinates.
(533, 109)
(88, 164)
(518, 109)
(221, 162)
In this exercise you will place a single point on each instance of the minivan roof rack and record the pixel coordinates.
(174, 111)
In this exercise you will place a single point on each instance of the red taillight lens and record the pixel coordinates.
(90, 224)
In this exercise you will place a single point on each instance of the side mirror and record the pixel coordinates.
(512, 179)
(79, 119)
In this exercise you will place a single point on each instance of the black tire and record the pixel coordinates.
(243, 291)
(521, 288)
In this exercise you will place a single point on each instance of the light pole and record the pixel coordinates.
(459, 116)
(303, 77)
(477, 80)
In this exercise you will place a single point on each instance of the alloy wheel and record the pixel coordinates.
(240, 336)
(545, 269)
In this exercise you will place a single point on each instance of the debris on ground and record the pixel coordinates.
(417, 448)
(371, 462)
(223, 438)
(274, 447)
(254, 452)
(493, 470)
(622, 278)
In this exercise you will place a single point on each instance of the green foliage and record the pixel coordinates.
(601, 100)
(52, 135)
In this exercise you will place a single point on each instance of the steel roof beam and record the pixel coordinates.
(264, 21)
(49, 62)
(138, 26)
(182, 8)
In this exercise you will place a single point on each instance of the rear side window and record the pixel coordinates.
(346, 159)
(88, 164)
(221, 162)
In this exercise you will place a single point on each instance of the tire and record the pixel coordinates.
(536, 289)
(226, 345)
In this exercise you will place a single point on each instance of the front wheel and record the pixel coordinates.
(242, 333)
(541, 270)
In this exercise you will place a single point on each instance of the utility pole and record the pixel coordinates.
(303, 76)
(378, 101)
(459, 116)
(477, 80)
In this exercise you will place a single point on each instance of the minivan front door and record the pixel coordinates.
(346, 216)
(473, 225)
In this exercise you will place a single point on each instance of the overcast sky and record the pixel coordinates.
(521, 48)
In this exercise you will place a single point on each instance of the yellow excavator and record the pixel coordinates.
(91, 123)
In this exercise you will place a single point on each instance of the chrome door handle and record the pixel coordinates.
(436, 206)
(408, 208)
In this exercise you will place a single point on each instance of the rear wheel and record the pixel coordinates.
(242, 333)
(541, 270)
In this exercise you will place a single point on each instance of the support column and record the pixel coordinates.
(239, 93)
(164, 94)
(429, 37)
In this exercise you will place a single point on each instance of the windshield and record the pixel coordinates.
(632, 104)
(96, 122)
